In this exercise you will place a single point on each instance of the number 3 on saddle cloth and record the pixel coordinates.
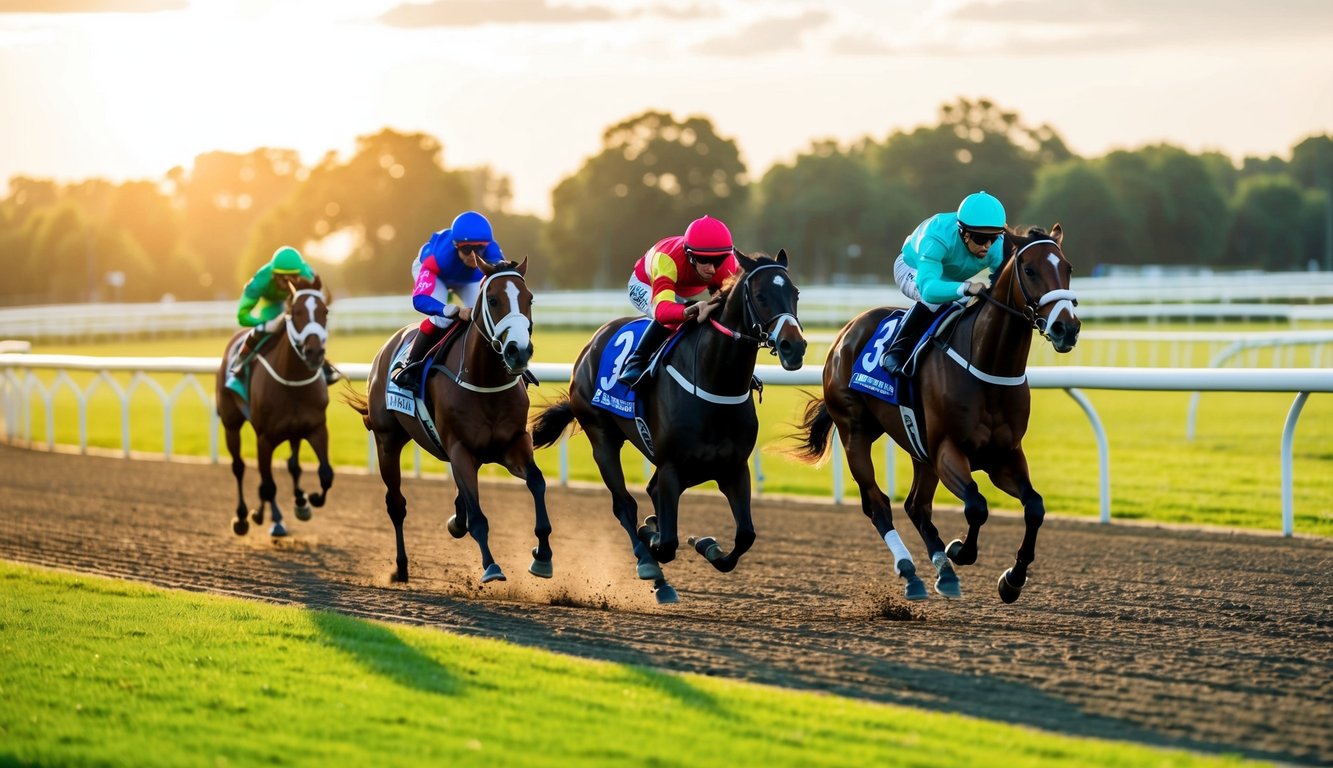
(869, 376)
(616, 397)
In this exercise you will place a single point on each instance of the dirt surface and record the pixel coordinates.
(1205, 640)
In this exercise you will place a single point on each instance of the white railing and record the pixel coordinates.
(20, 384)
(1284, 297)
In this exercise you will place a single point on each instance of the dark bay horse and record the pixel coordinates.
(699, 414)
(976, 404)
(476, 398)
(288, 399)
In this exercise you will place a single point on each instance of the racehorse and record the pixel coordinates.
(476, 401)
(975, 402)
(287, 401)
(698, 421)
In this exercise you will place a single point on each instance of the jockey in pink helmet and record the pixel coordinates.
(670, 282)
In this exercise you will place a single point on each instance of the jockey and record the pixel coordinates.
(670, 283)
(269, 289)
(446, 263)
(936, 264)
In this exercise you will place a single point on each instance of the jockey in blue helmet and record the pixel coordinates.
(447, 263)
(937, 263)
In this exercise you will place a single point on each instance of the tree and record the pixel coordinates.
(1312, 165)
(1268, 224)
(1078, 196)
(976, 145)
(1175, 206)
(652, 177)
(832, 214)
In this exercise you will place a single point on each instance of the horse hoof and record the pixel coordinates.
(706, 546)
(303, 512)
(278, 530)
(493, 573)
(258, 516)
(666, 595)
(650, 522)
(240, 527)
(947, 585)
(954, 550)
(649, 570)
(456, 529)
(1008, 592)
(915, 589)
(542, 569)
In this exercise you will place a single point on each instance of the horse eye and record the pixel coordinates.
(1029, 271)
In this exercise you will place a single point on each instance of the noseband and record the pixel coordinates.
(312, 328)
(752, 320)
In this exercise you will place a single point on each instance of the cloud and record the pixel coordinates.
(765, 36)
(473, 13)
(1098, 24)
(91, 6)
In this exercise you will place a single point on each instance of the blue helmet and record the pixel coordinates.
(980, 210)
(471, 227)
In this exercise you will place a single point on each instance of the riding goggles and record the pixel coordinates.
(472, 248)
(982, 238)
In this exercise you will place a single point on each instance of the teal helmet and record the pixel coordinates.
(471, 227)
(287, 261)
(981, 211)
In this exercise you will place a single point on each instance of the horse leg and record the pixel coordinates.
(1014, 480)
(736, 488)
(955, 471)
(319, 443)
(520, 463)
(465, 476)
(388, 450)
(240, 525)
(268, 490)
(663, 538)
(919, 507)
(876, 506)
(294, 469)
(606, 452)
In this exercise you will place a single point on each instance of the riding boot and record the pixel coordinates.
(633, 374)
(247, 349)
(910, 330)
(401, 375)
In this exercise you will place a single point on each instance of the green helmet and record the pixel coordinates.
(980, 210)
(287, 261)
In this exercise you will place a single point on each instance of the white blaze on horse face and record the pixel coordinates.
(513, 320)
(778, 281)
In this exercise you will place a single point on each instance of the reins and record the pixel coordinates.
(297, 339)
(491, 333)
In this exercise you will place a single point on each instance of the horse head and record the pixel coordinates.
(504, 313)
(1039, 275)
(768, 307)
(307, 320)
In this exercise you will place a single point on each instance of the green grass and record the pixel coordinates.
(102, 672)
(1229, 475)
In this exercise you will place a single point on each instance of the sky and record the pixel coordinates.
(125, 89)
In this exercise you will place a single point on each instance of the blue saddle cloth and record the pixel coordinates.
(867, 374)
(611, 394)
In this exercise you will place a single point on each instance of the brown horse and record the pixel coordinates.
(477, 404)
(976, 404)
(699, 417)
(288, 399)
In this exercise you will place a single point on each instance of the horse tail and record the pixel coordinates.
(359, 403)
(816, 427)
(548, 425)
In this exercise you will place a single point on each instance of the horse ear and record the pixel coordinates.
(782, 256)
(522, 267)
(1057, 234)
(747, 263)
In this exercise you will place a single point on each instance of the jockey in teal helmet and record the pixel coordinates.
(447, 263)
(268, 290)
(937, 263)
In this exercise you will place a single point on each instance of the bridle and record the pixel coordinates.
(495, 333)
(297, 339)
(1064, 298)
(752, 322)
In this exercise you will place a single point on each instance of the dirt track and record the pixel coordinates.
(1210, 641)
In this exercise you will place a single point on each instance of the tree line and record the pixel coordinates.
(842, 210)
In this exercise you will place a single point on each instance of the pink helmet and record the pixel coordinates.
(708, 237)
